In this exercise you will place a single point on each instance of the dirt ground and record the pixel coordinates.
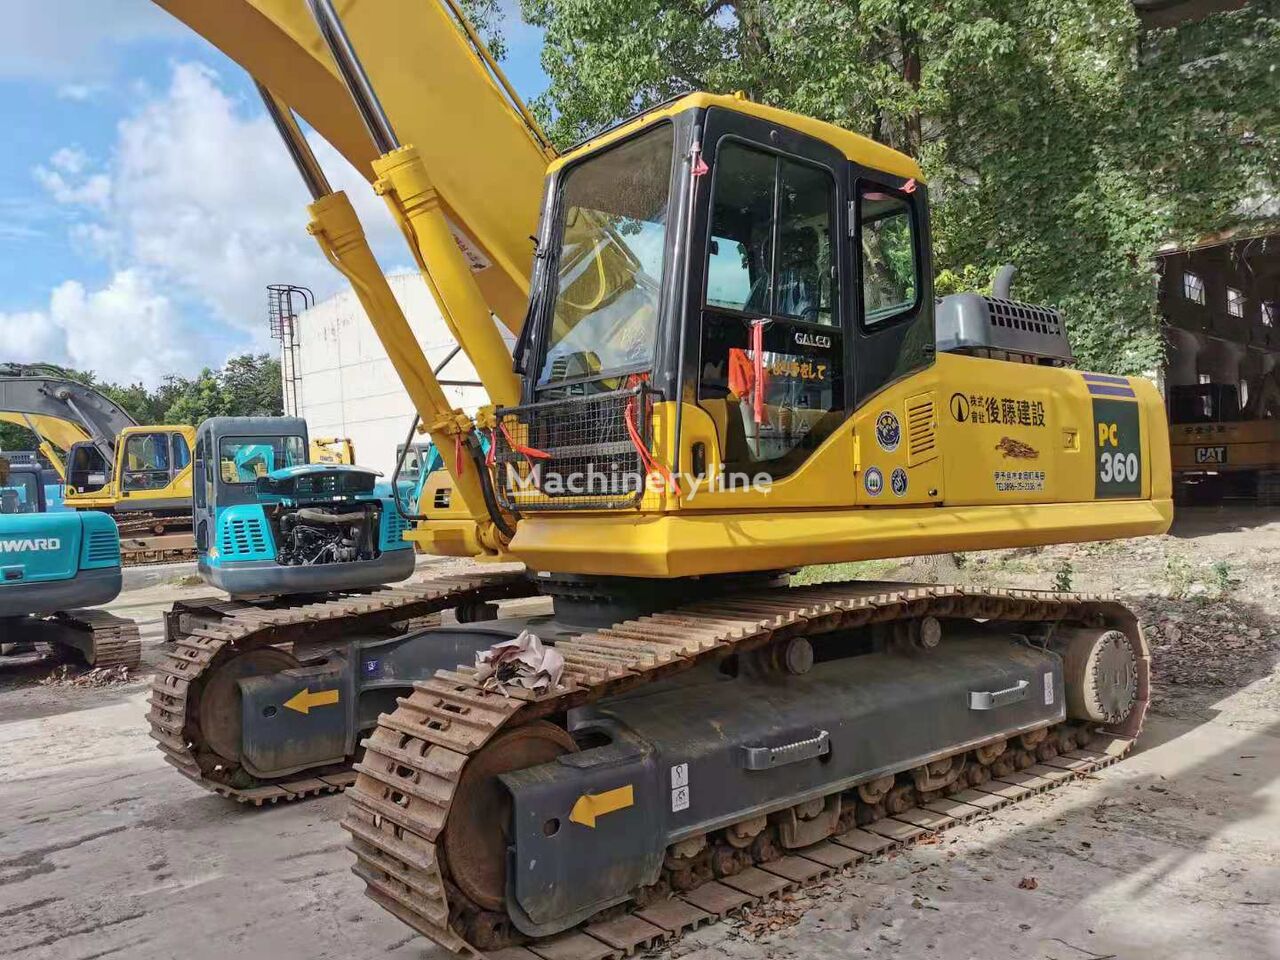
(106, 852)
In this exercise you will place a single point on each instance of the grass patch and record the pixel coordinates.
(829, 572)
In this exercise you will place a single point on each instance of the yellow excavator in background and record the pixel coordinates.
(1220, 448)
(332, 450)
(729, 364)
(141, 475)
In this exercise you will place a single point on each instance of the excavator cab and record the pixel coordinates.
(21, 488)
(712, 251)
(153, 468)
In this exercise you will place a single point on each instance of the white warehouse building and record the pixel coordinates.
(340, 380)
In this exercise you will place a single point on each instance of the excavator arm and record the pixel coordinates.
(443, 94)
(62, 411)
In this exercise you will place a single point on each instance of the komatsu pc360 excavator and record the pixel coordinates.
(730, 363)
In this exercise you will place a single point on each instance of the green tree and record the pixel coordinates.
(252, 385)
(247, 386)
(199, 399)
(14, 437)
(1055, 135)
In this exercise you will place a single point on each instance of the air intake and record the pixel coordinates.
(104, 547)
(922, 435)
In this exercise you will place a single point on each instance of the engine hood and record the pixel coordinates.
(316, 482)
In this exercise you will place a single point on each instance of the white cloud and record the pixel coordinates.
(80, 92)
(68, 181)
(197, 199)
(64, 39)
(202, 195)
(125, 331)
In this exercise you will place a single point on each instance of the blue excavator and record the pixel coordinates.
(270, 523)
(307, 552)
(52, 567)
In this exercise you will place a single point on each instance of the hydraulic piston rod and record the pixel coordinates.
(337, 229)
(407, 186)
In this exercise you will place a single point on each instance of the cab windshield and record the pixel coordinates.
(244, 460)
(20, 493)
(609, 258)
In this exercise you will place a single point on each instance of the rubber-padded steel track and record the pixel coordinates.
(207, 633)
(414, 759)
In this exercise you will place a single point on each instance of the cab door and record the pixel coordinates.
(772, 333)
(153, 462)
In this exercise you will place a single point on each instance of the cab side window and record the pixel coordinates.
(181, 453)
(888, 252)
(770, 248)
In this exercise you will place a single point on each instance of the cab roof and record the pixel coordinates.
(854, 146)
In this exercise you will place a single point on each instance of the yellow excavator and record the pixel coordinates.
(1220, 448)
(729, 364)
(332, 450)
(140, 474)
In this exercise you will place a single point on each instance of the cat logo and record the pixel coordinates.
(1211, 454)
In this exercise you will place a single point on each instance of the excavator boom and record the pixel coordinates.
(60, 433)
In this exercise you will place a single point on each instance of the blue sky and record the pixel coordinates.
(110, 258)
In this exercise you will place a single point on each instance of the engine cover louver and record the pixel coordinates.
(922, 432)
(243, 538)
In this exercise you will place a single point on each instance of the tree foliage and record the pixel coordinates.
(1055, 134)
(247, 386)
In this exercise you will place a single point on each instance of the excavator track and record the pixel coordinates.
(413, 762)
(147, 551)
(113, 641)
(148, 538)
(206, 633)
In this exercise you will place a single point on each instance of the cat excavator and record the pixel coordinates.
(729, 364)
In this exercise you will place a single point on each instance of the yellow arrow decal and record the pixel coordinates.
(592, 805)
(304, 699)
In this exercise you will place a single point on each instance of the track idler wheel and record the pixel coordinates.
(218, 711)
(1100, 670)
(476, 834)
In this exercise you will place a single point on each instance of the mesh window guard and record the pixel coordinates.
(573, 454)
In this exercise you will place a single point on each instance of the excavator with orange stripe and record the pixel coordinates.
(729, 364)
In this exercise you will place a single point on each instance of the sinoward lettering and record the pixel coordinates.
(21, 546)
